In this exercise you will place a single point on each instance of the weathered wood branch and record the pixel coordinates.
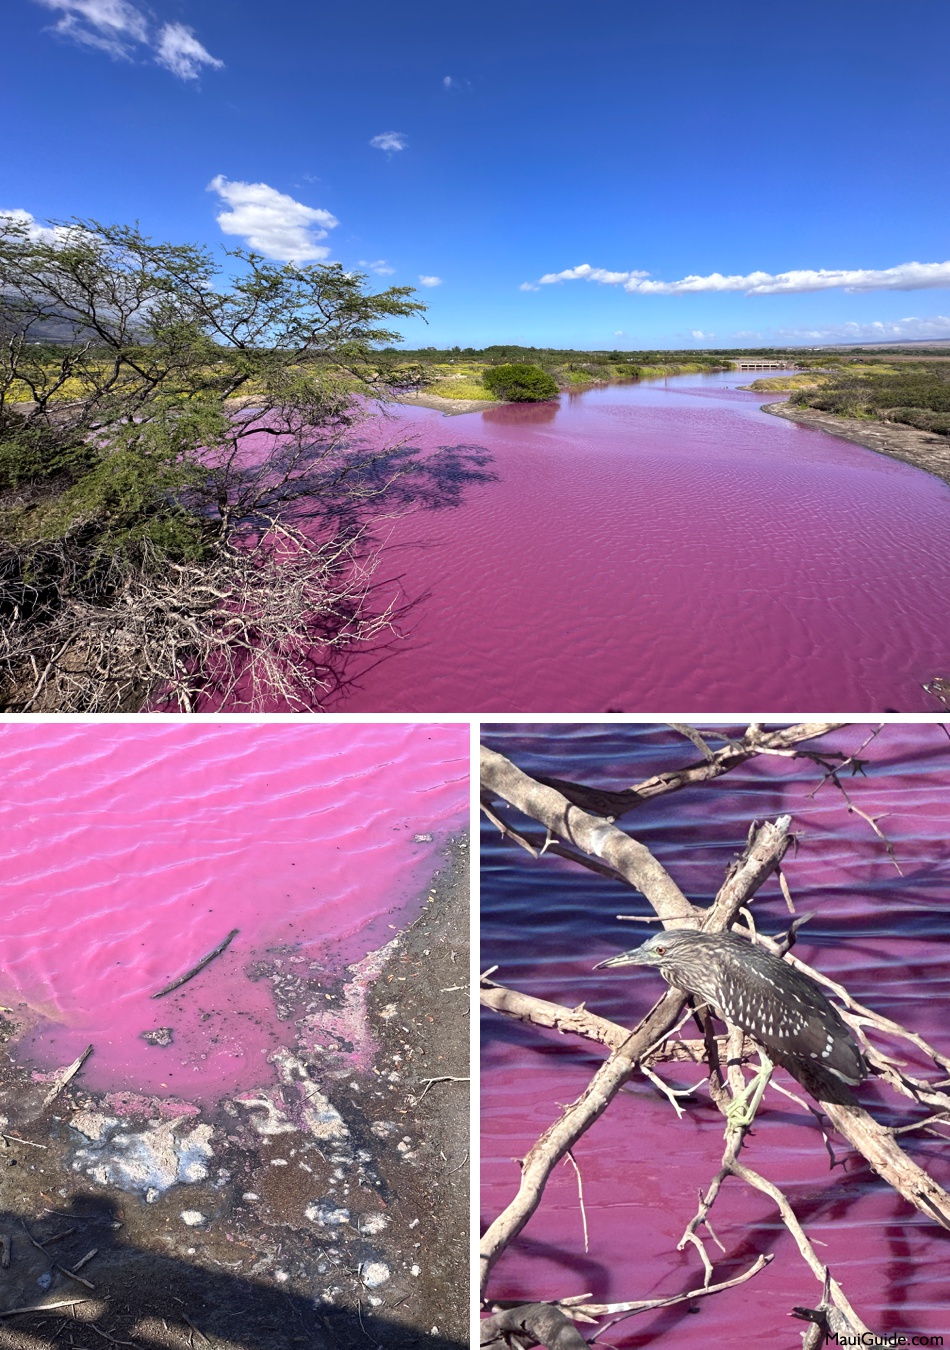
(616, 803)
(590, 834)
(547, 1323)
(765, 842)
(544, 1156)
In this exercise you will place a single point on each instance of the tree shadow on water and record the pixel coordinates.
(359, 483)
(156, 1302)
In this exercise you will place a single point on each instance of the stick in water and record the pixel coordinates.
(205, 960)
(66, 1077)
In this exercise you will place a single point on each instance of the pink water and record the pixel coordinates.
(546, 924)
(129, 853)
(667, 545)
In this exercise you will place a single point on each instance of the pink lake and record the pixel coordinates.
(661, 546)
(546, 923)
(130, 851)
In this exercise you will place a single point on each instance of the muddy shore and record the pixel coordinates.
(923, 449)
(327, 1211)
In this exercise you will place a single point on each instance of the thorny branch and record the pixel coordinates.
(560, 813)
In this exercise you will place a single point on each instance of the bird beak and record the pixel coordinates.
(631, 958)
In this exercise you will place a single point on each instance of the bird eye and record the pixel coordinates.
(660, 951)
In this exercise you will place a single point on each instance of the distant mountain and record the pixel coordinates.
(58, 329)
(908, 342)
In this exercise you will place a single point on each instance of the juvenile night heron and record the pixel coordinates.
(782, 1008)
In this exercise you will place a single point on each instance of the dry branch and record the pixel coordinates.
(597, 837)
(577, 1118)
(533, 1322)
(627, 858)
(768, 841)
(259, 621)
(613, 804)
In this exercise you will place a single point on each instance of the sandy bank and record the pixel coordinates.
(921, 448)
(450, 406)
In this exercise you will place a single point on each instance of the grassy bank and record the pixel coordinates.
(913, 394)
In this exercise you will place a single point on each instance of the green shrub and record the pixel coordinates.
(919, 417)
(517, 383)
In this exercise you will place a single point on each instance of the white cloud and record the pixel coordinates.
(381, 267)
(447, 81)
(389, 140)
(896, 330)
(120, 29)
(587, 273)
(528, 286)
(179, 51)
(430, 281)
(271, 222)
(113, 26)
(911, 276)
(619, 333)
(33, 228)
(698, 333)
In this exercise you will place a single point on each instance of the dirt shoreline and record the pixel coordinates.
(922, 449)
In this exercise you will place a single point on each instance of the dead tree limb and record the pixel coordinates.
(615, 803)
(592, 835)
(537, 1323)
(768, 841)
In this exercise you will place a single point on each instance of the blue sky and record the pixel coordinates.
(799, 154)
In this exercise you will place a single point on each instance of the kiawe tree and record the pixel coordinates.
(184, 502)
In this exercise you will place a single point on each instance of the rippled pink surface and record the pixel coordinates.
(664, 546)
(546, 924)
(129, 852)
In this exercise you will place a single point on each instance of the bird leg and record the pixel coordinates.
(741, 1110)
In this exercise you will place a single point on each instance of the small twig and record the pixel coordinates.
(195, 970)
(670, 1093)
(783, 882)
(64, 1270)
(693, 735)
(46, 1307)
(184, 1316)
(73, 1276)
(446, 1078)
(919, 1124)
(647, 1305)
(700, 1246)
(66, 1076)
(580, 1195)
(16, 1139)
(86, 1259)
(106, 1337)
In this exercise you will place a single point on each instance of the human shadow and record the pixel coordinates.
(144, 1298)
